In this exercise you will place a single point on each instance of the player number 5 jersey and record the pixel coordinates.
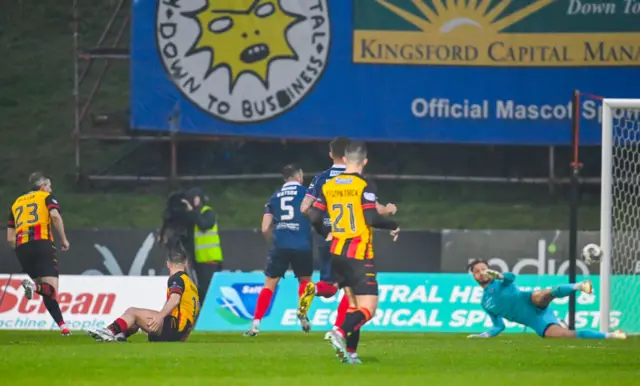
(345, 198)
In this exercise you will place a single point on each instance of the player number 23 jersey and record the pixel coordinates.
(29, 215)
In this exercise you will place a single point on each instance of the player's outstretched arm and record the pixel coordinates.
(498, 327)
(370, 209)
(506, 277)
(386, 210)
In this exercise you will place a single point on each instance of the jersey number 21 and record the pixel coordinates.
(340, 209)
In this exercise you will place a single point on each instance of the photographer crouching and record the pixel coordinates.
(190, 225)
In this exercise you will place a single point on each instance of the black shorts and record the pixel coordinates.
(324, 257)
(38, 258)
(359, 275)
(170, 332)
(279, 260)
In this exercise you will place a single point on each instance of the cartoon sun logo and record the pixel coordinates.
(244, 36)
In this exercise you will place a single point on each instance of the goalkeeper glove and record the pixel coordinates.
(483, 335)
(493, 274)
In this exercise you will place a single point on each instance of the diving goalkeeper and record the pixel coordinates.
(503, 299)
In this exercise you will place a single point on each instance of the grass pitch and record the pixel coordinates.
(31, 358)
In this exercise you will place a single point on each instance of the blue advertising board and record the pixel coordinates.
(409, 302)
(488, 71)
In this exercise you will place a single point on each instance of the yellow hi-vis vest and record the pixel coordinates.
(207, 243)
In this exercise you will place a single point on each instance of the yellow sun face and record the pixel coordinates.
(245, 36)
(461, 18)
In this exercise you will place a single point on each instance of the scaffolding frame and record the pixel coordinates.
(85, 60)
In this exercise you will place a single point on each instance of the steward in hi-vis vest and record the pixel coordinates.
(207, 242)
(207, 251)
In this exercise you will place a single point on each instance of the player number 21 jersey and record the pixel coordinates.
(345, 198)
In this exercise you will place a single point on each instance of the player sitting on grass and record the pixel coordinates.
(503, 299)
(173, 323)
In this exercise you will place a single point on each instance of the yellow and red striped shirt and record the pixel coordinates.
(346, 198)
(29, 216)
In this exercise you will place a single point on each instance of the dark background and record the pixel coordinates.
(135, 253)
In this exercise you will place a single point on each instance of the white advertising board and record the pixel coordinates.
(85, 301)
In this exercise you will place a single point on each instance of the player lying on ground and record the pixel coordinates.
(171, 324)
(289, 233)
(327, 287)
(503, 299)
(350, 200)
(29, 234)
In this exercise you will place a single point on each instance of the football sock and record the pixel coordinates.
(352, 341)
(563, 290)
(46, 289)
(118, 326)
(354, 320)
(264, 300)
(54, 309)
(342, 311)
(590, 334)
(301, 288)
(49, 299)
(325, 289)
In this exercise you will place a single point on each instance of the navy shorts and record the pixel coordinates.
(279, 261)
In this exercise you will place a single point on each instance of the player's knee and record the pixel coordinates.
(52, 281)
(130, 311)
(271, 283)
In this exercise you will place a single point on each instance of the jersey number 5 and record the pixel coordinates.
(341, 209)
(33, 214)
(286, 208)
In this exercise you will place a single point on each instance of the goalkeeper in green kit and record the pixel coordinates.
(503, 299)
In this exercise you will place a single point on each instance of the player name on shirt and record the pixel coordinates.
(342, 192)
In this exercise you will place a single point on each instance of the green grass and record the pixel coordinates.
(279, 359)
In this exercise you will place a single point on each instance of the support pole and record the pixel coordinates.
(76, 91)
(573, 205)
(174, 127)
(552, 170)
